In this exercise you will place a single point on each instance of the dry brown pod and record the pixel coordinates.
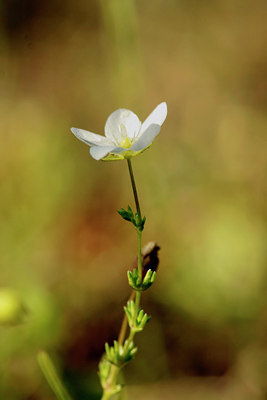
(150, 258)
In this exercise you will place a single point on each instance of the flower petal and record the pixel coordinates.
(157, 117)
(90, 138)
(147, 138)
(120, 124)
(98, 152)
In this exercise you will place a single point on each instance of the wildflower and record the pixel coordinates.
(125, 135)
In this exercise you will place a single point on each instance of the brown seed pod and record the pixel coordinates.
(150, 258)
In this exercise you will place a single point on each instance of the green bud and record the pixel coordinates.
(12, 310)
(104, 373)
(149, 279)
(137, 283)
(137, 320)
(118, 354)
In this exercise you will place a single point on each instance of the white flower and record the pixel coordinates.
(125, 136)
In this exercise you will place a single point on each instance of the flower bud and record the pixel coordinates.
(12, 310)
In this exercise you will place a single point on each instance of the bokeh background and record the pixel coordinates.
(64, 250)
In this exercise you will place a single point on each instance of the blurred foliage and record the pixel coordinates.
(64, 251)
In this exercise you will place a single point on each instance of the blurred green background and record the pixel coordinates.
(64, 250)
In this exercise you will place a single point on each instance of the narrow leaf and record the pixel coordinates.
(52, 377)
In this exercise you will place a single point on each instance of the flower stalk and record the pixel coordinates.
(123, 350)
(134, 187)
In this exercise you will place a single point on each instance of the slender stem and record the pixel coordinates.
(114, 371)
(139, 254)
(133, 186)
(138, 301)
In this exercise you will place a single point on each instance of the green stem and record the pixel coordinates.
(114, 371)
(139, 254)
(138, 209)
(134, 186)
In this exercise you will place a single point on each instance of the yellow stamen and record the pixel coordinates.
(126, 143)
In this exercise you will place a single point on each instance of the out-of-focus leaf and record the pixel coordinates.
(52, 377)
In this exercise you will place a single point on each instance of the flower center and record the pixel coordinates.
(126, 142)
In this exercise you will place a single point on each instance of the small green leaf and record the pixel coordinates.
(127, 215)
(135, 219)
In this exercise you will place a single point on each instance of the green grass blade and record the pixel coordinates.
(52, 377)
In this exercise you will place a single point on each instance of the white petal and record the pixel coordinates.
(98, 152)
(157, 117)
(147, 138)
(90, 138)
(120, 124)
